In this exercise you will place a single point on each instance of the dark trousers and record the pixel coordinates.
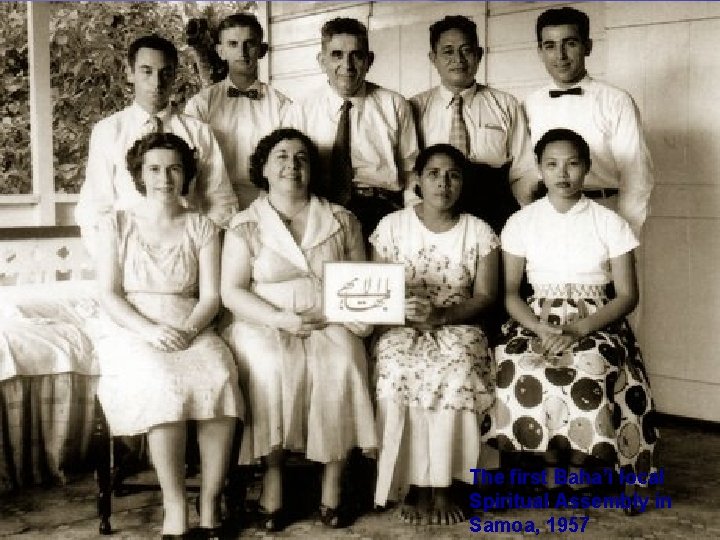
(489, 197)
(371, 205)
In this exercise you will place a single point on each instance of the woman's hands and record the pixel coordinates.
(299, 324)
(167, 338)
(421, 313)
(557, 339)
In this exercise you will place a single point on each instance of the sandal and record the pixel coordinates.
(330, 517)
(271, 521)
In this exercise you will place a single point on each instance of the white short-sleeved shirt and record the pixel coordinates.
(441, 265)
(571, 247)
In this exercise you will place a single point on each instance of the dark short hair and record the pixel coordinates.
(561, 16)
(567, 135)
(460, 161)
(240, 20)
(165, 141)
(344, 25)
(262, 151)
(156, 43)
(453, 22)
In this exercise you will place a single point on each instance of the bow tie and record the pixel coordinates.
(577, 91)
(236, 92)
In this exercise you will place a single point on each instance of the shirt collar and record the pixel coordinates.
(142, 115)
(336, 101)
(256, 85)
(467, 95)
(577, 208)
(582, 83)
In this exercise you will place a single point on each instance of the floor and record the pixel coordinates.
(690, 454)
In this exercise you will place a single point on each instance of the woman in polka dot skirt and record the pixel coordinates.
(571, 384)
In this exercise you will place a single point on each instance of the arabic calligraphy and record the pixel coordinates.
(356, 295)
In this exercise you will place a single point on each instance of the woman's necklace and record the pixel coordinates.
(288, 219)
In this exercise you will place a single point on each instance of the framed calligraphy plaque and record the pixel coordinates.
(365, 292)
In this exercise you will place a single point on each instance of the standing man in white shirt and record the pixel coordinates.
(607, 117)
(152, 63)
(487, 125)
(365, 133)
(240, 109)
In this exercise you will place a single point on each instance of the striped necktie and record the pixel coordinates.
(152, 125)
(458, 130)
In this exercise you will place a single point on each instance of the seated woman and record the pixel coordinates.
(571, 385)
(434, 376)
(306, 381)
(161, 362)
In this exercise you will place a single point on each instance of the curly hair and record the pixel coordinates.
(165, 141)
(344, 25)
(262, 151)
(460, 162)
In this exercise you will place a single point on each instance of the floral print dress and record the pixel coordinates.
(437, 383)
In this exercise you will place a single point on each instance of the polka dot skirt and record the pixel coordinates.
(594, 399)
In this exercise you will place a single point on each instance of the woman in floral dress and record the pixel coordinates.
(434, 375)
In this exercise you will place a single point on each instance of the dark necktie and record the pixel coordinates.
(577, 91)
(342, 172)
(236, 92)
(458, 129)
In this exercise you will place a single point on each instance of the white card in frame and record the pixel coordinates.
(365, 292)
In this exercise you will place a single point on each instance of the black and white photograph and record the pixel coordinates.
(374, 270)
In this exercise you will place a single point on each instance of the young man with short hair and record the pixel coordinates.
(487, 125)
(151, 66)
(607, 117)
(365, 133)
(240, 109)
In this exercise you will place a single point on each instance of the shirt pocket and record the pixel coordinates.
(491, 145)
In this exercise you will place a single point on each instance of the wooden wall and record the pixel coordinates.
(666, 55)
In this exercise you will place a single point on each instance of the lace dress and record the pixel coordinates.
(141, 386)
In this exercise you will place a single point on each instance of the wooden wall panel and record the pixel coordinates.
(621, 14)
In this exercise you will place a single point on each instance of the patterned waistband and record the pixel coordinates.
(568, 290)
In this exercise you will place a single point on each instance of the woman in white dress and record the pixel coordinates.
(434, 375)
(162, 364)
(305, 380)
(571, 387)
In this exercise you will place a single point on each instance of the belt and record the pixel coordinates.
(371, 191)
(602, 193)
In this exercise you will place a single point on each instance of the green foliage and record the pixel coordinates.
(88, 42)
(14, 99)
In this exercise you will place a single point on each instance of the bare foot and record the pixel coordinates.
(415, 509)
(444, 510)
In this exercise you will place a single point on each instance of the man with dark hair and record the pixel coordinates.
(240, 109)
(365, 133)
(607, 118)
(487, 125)
(151, 67)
